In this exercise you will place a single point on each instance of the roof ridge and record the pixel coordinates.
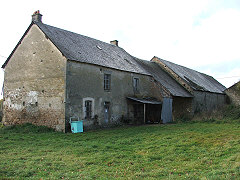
(183, 66)
(203, 80)
(85, 49)
(76, 34)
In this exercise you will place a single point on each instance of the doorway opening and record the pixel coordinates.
(106, 112)
(144, 111)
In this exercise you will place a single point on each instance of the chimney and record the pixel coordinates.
(37, 17)
(114, 42)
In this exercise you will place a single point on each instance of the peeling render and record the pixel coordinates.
(48, 80)
(34, 83)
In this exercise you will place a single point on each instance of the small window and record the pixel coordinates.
(88, 109)
(135, 84)
(107, 82)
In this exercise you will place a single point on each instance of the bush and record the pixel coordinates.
(28, 128)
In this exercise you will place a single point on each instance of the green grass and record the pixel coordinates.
(176, 151)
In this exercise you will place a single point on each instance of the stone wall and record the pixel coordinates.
(182, 107)
(234, 94)
(34, 83)
(87, 81)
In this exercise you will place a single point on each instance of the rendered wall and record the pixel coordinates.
(34, 83)
(87, 81)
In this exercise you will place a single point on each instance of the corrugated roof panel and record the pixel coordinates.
(144, 101)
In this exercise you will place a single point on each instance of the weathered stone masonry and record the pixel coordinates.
(34, 83)
(53, 75)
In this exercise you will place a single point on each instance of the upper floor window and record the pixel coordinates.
(107, 82)
(136, 84)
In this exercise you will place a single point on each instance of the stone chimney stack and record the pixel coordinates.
(114, 42)
(37, 17)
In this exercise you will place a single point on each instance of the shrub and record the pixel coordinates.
(28, 128)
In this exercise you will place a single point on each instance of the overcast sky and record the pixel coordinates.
(200, 34)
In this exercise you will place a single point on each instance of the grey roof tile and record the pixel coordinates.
(195, 79)
(88, 50)
(164, 79)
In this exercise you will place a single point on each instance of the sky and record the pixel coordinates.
(203, 35)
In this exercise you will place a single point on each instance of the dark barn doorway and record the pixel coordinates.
(153, 113)
(145, 111)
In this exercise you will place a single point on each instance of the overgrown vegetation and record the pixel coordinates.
(183, 150)
(27, 128)
(226, 114)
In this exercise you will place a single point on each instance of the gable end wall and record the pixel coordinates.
(34, 83)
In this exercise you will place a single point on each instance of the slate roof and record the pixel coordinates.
(84, 49)
(88, 50)
(195, 79)
(163, 78)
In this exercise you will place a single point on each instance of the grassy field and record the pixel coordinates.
(175, 151)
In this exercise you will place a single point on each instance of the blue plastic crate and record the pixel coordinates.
(76, 126)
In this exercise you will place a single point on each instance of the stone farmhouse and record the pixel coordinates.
(53, 75)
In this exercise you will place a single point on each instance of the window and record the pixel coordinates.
(88, 109)
(107, 82)
(135, 84)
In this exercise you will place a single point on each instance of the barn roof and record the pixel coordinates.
(163, 78)
(197, 80)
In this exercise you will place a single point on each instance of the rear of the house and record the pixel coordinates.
(54, 75)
